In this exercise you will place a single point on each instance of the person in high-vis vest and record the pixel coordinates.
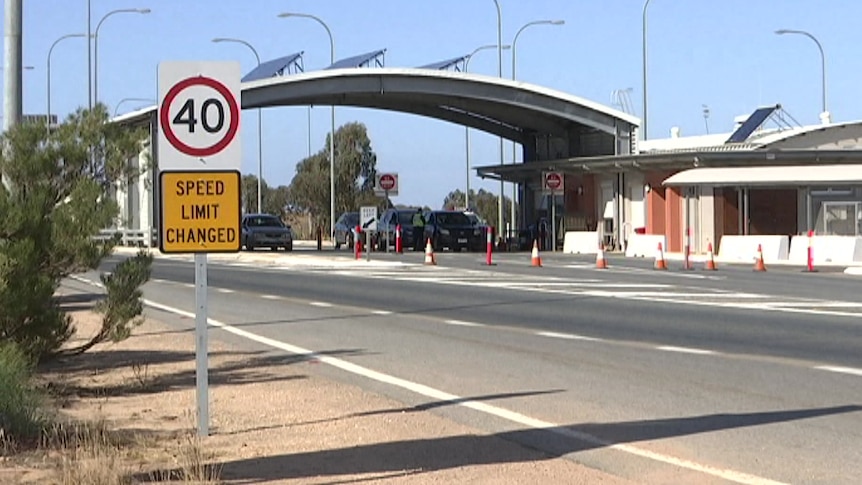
(418, 230)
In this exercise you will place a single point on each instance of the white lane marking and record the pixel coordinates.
(224, 290)
(270, 297)
(158, 280)
(685, 350)
(567, 336)
(381, 312)
(189, 285)
(321, 304)
(515, 417)
(840, 370)
(463, 323)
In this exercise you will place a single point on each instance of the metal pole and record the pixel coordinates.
(644, 53)
(514, 148)
(12, 49)
(467, 128)
(201, 343)
(822, 61)
(50, 51)
(553, 221)
(808, 209)
(309, 132)
(500, 74)
(89, 56)
(96, 46)
(332, 123)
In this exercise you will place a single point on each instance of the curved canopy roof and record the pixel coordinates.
(511, 109)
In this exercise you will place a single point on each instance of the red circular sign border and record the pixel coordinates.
(389, 176)
(165, 114)
(556, 176)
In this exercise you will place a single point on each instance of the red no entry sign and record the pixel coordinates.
(553, 181)
(387, 181)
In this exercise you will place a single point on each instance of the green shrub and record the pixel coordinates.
(21, 404)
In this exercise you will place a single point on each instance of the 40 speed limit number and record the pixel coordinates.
(199, 116)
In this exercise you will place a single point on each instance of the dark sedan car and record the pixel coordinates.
(453, 230)
(345, 229)
(265, 230)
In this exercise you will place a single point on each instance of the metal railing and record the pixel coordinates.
(130, 237)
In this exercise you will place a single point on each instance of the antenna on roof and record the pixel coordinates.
(705, 117)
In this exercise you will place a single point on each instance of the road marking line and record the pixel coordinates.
(568, 336)
(430, 392)
(685, 350)
(158, 280)
(840, 370)
(381, 312)
(321, 304)
(224, 290)
(270, 297)
(463, 324)
(189, 285)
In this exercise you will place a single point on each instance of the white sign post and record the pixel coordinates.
(368, 223)
(553, 182)
(199, 162)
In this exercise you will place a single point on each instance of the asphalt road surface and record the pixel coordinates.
(709, 377)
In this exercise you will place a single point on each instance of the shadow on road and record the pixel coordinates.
(430, 455)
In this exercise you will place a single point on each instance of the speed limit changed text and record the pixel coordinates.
(199, 116)
(201, 211)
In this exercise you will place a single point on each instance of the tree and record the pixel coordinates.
(274, 200)
(484, 203)
(355, 168)
(57, 203)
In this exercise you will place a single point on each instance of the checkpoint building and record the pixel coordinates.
(766, 176)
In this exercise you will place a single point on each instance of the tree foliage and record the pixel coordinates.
(484, 203)
(56, 202)
(275, 200)
(355, 169)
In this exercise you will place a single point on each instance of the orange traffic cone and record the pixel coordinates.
(535, 260)
(758, 261)
(659, 259)
(600, 258)
(429, 254)
(710, 261)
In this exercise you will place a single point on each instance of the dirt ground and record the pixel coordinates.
(274, 423)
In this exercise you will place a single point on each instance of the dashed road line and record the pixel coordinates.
(462, 323)
(321, 304)
(841, 370)
(567, 336)
(225, 290)
(685, 350)
(189, 285)
(381, 312)
(271, 297)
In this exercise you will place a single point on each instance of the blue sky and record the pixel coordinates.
(723, 54)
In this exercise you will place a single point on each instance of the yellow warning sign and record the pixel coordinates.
(200, 212)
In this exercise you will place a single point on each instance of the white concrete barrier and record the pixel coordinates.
(744, 248)
(826, 249)
(645, 245)
(581, 242)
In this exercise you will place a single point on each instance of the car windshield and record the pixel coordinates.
(406, 217)
(452, 219)
(264, 221)
(351, 219)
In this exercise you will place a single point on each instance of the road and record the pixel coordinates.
(708, 377)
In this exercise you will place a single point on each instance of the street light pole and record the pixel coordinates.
(50, 51)
(95, 75)
(644, 53)
(332, 121)
(467, 128)
(500, 75)
(514, 149)
(259, 125)
(822, 62)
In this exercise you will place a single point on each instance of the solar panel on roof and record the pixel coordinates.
(752, 123)
(357, 61)
(443, 64)
(271, 68)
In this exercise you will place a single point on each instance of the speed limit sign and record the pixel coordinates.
(199, 116)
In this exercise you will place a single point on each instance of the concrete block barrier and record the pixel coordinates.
(581, 242)
(740, 249)
(826, 249)
(645, 245)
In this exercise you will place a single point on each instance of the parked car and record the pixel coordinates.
(453, 230)
(345, 229)
(390, 219)
(265, 230)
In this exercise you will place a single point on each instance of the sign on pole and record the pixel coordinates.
(199, 161)
(368, 218)
(386, 184)
(552, 181)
